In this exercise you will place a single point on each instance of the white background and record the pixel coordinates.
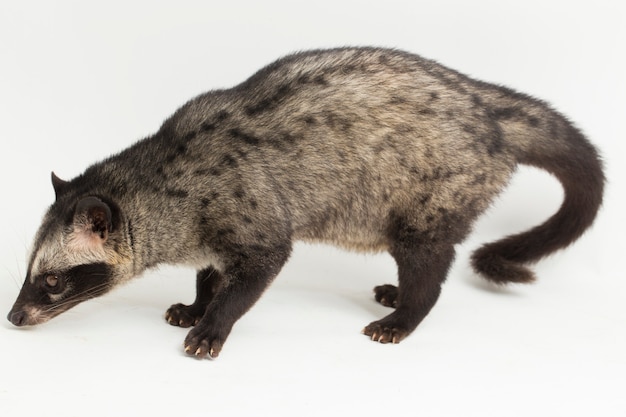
(81, 80)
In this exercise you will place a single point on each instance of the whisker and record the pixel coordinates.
(77, 298)
(18, 266)
(13, 277)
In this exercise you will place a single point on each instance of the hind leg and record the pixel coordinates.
(208, 283)
(422, 268)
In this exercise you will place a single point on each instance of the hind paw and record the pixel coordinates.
(183, 315)
(386, 295)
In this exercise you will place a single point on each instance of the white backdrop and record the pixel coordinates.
(81, 80)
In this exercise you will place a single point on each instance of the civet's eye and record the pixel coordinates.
(52, 280)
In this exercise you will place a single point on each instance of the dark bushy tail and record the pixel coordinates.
(577, 165)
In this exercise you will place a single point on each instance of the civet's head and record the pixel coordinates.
(81, 251)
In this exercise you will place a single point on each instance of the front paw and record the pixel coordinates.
(202, 343)
(183, 315)
(381, 332)
(387, 295)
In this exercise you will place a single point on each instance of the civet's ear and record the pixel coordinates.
(59, 185)
(92, 221)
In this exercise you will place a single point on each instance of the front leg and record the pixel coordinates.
(249, 273)
(209, 281)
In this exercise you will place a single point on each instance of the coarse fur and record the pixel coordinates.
(368, 149)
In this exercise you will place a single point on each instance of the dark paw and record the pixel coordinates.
(387, 295)
(382, 333)
(183, 316)
(203, 343)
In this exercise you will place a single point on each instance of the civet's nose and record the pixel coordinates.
(18, 318)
